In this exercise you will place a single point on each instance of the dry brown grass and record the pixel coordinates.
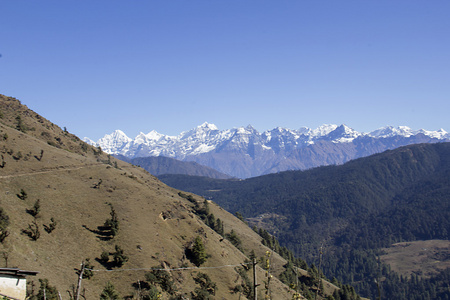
(423, 258)
(155, 223)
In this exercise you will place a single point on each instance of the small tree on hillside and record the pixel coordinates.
(119, 257)
(50, 292)
(234, 239)
(198, 252)
(34, 211)
(4, 223)
(20, 125)
(113, 223)
(109, 292)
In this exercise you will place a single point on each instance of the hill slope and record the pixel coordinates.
(79, 187)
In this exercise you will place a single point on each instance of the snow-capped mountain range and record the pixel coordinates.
(244, 152)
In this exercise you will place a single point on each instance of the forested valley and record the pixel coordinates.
(342, 217)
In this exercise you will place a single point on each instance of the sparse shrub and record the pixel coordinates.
(206, 289)
(98, 184)
(97, 151)
(32, 231)
(50, 227)
(84, 147)
(20, 125)
(18, 156)
(39, 158)
(22, 194)
(50, 292)
(109, 292)
(34, 211)
(234, 239)
(3, 163)
(104, 257)
(246, 287)
(88, 273)
(5, 137)
(162, 278)
(187, 197)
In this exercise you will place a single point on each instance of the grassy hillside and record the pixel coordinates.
(351, 210)
(77, 187)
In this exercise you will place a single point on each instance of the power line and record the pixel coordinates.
(173, 269)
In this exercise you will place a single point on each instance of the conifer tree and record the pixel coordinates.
(198, 252)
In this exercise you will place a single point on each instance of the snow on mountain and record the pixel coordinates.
(390, 131)
(342, 134)
(244, 152)
(440, 134)
(207, 137)
(114, 143)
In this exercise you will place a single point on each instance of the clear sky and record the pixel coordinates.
(169, 66)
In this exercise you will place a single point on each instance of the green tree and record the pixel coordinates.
(119, 257)
(109, 292)
(20, 125)
(206, 285)
(4, 223)
(199, 255)
(162, 278)
(104, 257)
(218, 227)
(88, 273)
(50, 292)
(234, 239)
(113, 223)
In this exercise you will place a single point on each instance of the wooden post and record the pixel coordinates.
(77, 296)
(255, 285)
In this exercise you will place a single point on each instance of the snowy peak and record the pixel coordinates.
(343, 134)
(116, 141)
(207, 138)
(323, 130)
(390, 131)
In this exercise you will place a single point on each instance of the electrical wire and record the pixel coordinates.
(173, 269)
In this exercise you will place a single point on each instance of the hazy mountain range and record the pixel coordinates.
(244, 152)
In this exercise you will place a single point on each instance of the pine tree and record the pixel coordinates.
(198, 252)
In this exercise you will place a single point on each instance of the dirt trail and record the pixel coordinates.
(55, 169)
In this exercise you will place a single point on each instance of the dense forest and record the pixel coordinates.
(352, 211)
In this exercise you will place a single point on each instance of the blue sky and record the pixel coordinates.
(169, 66)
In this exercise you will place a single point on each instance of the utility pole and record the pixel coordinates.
(255, 285)
(80, 277)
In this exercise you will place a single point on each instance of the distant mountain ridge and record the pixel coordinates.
(244, 152)
(160, 165)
